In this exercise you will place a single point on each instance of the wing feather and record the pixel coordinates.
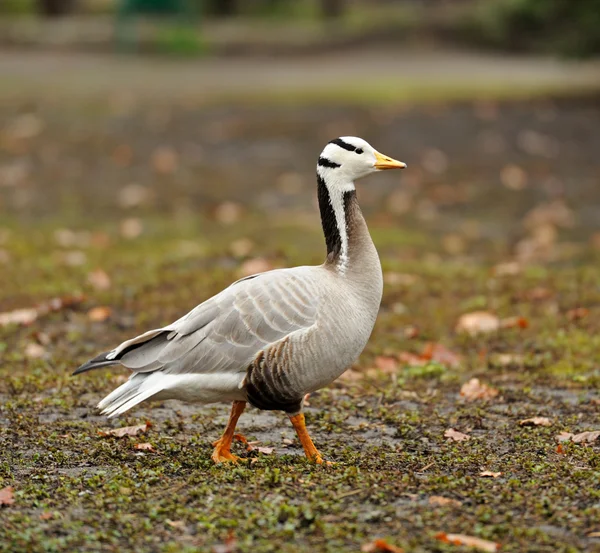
(225, 333)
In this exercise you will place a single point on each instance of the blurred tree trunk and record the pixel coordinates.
(332, 9)
(55, 8)
(223, 8)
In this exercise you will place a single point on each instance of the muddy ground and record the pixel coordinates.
(147, 209)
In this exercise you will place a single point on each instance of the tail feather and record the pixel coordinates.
(138, 388)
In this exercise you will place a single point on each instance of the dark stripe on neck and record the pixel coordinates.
(324, 162)
(333, 240)
(339, 142)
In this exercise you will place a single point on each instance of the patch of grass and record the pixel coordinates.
(77, 490)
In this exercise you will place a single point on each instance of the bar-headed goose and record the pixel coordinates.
(270, 338)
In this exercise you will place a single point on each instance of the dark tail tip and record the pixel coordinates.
(96, 363)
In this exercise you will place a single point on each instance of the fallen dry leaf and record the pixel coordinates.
(131, 228)
(593, 535)
(386, 363)
(164, 160)
(441, 354)
(577, 313)
(411, 331)
(456, 435)
(228, 213)
(99, 314)
(6, 496)
(490, 474)
(380, 546)
(478, 322)
(514, 322)
(230, 545)
(265, 450)
(241, 247)
(411, 359)
(145, 447)
(513, 177)
(34, 351)
(99, 279)
(508, 268)
(46, 515)
(175, 523)
(132, 195)
(469, 541)
(582, 437)
(440, 501)
(536, 421)
(125, 430)
(254, 266)
(474, 389)
(25, 317)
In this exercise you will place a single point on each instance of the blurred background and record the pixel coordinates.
(126, 116)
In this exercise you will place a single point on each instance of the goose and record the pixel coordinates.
(273, 337)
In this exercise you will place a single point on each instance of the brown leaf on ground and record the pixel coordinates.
(99, 279)
(506, 359)
(441, 354)
(99, 314)
(513, 177)
(265, 450)
(509, 268)
(131, 227)
(455, 435)
(411, 331)
(254, 266)
(386, 363)
(164, 160)
(411, 359)
(145, 447)
(229, 546)
(539, 293)
(125, 430)
(46, 515)
(7, 496)
(582, 437)
(577, 313)
(25, 317)
(469, 541)
(380, 546)
(440, 501)
(514, 322)
(474, 389)
(490, 474)
(176, 523)
(34, 351)
(536, 421)
(478, 322)
(228, 213)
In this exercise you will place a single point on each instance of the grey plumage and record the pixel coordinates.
(273, 337)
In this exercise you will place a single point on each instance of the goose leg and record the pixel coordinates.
(222, 452)
(311, 452)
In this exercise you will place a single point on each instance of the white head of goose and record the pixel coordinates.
(270, 338)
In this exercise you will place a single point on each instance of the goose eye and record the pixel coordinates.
(359, 151)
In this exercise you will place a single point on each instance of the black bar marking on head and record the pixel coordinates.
(339, 142)
(324, 162)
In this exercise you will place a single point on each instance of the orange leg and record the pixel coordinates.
(309, 448)
(222, 451)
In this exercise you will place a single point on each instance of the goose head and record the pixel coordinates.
(349, 158)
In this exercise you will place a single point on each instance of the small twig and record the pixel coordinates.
(427, 466)
(348, 494)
